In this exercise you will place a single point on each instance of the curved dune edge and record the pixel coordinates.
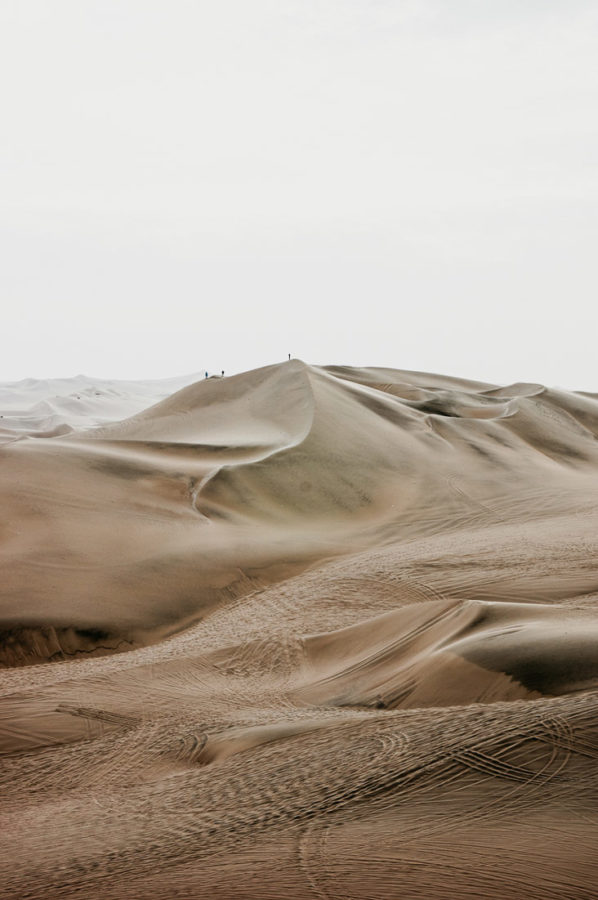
(453, 653)
(23, 646)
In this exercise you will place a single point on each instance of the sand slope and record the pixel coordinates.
(303, 632)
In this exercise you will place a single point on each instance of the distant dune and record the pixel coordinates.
(304, 632)
(43, 408)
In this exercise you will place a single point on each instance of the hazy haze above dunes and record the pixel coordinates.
(221, 184)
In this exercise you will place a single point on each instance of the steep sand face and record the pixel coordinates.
(303, 632)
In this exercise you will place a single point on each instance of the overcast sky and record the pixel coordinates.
(218, 183)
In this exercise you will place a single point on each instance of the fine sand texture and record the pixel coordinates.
(303, 633)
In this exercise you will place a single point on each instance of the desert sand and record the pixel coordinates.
(304, 632)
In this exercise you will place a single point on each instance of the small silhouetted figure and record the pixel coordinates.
(223, 373)
(206, 374)
(289, 355)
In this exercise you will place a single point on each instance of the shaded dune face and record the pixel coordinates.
(303, 632)
(448, 653)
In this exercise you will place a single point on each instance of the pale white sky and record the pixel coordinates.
(217, 183)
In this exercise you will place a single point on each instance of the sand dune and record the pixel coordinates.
(301, 632)
(45, 407)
